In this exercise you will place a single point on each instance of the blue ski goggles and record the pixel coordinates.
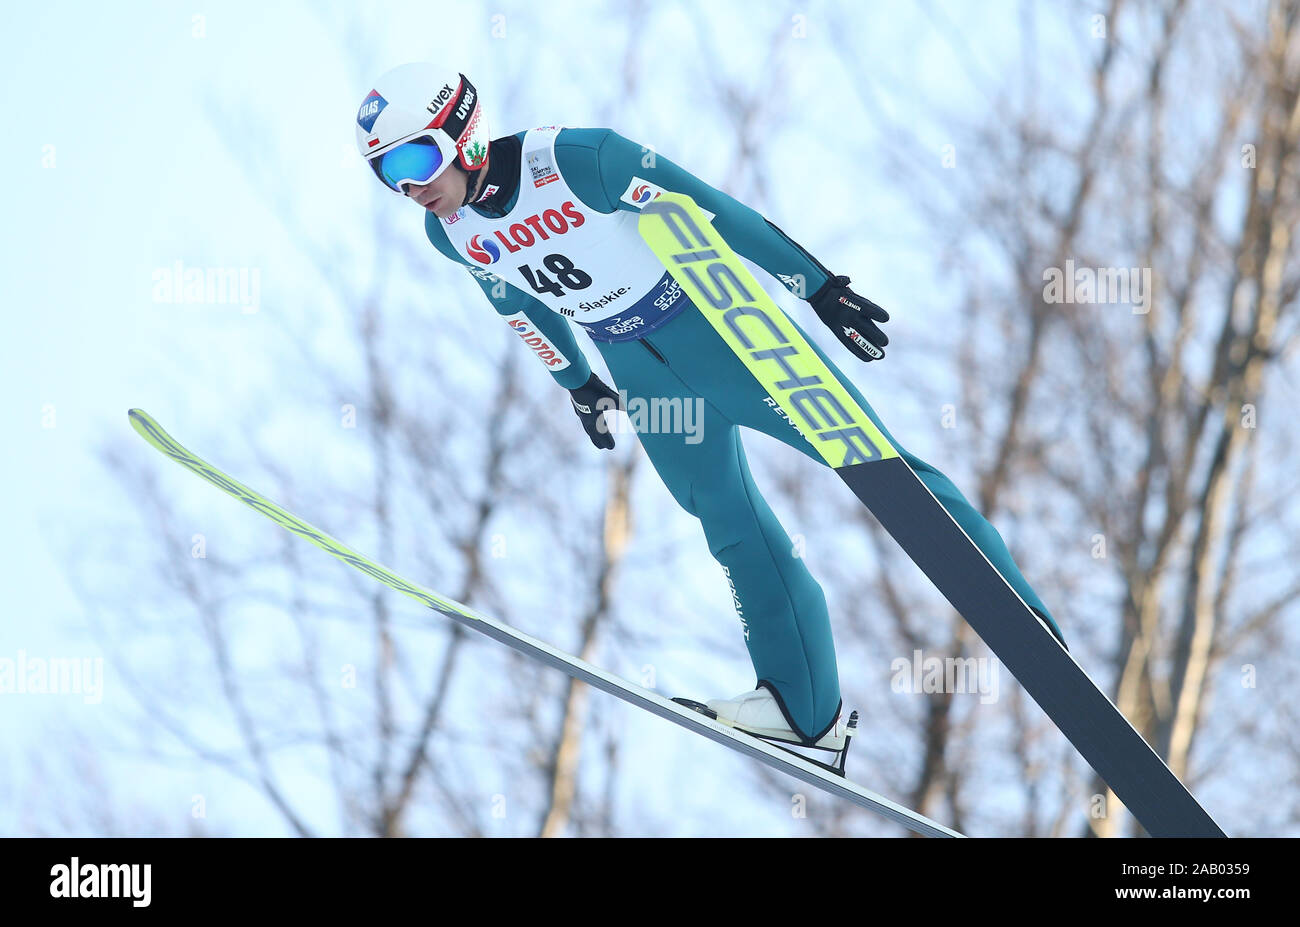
(417, 161)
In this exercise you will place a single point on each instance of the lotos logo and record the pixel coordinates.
(371, 107)
(640, 191)
(528, 333)
(483, 250)
(519, 235)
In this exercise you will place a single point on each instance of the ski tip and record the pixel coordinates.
(147, 428)
(138, 418)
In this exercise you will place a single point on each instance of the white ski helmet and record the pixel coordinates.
(418, 121)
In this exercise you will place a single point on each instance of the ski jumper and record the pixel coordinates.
(554, 237)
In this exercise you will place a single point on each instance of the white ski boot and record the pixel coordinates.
(756, 712)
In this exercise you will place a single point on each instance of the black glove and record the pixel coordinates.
(852, 318)
(591, 400)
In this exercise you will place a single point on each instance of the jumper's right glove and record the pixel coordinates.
(852, 318)
(591, 400)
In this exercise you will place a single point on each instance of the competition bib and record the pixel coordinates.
(589, 266)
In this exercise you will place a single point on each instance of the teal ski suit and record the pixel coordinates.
(781, 606)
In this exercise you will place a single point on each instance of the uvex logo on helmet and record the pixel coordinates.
(456, 111)
(442, 99)
(525, 234)
(462, 111)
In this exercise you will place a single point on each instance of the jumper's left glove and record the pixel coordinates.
(591, 400)
(852, 318)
